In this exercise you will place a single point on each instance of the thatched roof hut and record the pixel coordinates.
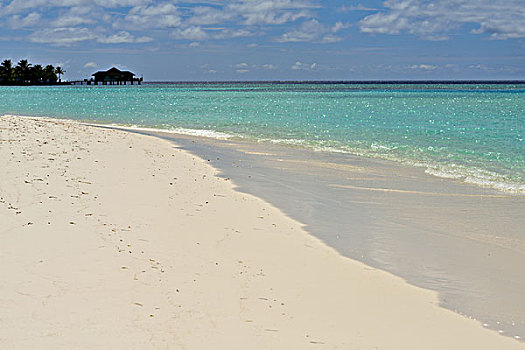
(115, 76)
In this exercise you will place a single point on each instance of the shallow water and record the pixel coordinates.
(472, 132)
(462, 241)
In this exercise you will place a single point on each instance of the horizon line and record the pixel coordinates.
(374, 81)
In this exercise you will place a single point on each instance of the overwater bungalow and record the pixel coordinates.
(114, 76)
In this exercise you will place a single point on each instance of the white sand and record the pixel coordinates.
(111, 240)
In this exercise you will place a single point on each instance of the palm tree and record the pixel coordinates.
(59, 71)
(37, 74)
(22, 71)
(6, 72)
(50, 76)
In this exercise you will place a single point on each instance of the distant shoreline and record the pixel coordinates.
(41, 84)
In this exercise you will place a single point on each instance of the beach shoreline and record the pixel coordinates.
(460, 240)
(119, 240)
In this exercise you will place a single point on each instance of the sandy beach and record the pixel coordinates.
(113, 240)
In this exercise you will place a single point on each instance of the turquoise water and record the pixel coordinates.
(474, 133)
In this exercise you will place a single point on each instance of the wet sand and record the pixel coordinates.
(123, 241)
(465, 242)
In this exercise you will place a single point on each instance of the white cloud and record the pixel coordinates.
(120, 37)
(436, 19)
(62, 36)
(71, 21)
(123, 37)
(131, 21)
(193, 33)
(143, 39)
(207, 69)
(209, 15)
(297, 65)
(158, 10)
(17, 6)
(31, 20)
(311, 31)
(121, 21)
(119, 3)
(91, 65)
(340, 26)
(480, 67)
(330, 39)
(425, 67)
(242, 71)
(245, 66)
(232, 33)
(304, 66)
(164, 15)
(500, 28)
(360, 7)
(71, 36)
(272, 12)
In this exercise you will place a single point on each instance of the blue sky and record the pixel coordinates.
(270, 39)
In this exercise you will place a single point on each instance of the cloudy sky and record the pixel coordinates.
(270, 39)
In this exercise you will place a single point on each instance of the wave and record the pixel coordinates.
(479, 177)
(467, 174)
(175, 130)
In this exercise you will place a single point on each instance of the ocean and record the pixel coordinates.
(348, 162)
(469, 132)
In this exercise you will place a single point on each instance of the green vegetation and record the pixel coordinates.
(24, 73)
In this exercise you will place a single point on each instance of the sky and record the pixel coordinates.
(213, 40)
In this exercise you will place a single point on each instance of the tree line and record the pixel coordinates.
(24, 73)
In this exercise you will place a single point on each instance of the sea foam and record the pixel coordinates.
(181, 131)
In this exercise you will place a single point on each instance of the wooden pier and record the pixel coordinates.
(92, 81)
(113, 76)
